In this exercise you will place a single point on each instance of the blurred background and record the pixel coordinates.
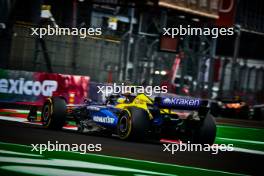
(132, 48)
(228, 71)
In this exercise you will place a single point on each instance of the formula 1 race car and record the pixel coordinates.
(136, 117)
(231, 108)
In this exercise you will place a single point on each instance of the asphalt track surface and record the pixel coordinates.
(236, 162)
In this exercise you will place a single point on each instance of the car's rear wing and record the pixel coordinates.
(182, 103)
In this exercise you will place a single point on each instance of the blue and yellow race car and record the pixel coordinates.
(136, 117)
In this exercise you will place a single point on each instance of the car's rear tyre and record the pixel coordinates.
(133, 124)
(53, 113)
(205, 132)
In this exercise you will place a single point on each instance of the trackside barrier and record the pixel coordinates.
(33, 87)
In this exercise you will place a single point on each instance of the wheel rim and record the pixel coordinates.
(124, 127)
(46, 113)
(123, 124)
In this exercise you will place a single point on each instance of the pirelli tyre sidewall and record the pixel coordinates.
(53, 113)
(133, 124)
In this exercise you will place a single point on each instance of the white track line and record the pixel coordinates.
(24, 120)
(13, 119)
(17, 110)
(241, 140)
(242, 150)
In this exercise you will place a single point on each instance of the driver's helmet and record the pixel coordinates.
(115, 98)
(121, 99)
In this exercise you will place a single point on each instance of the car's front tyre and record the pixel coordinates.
(133, 124)
(53, 113)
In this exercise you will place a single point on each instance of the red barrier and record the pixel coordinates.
(22, 87)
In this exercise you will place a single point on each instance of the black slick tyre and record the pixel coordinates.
(53, 113)
(133, 124)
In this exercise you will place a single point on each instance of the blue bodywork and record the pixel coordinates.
(183, 103)
(104, 115)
